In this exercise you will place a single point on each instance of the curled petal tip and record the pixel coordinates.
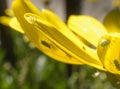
(30, 18)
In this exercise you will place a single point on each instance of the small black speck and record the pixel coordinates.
(83, 48)
(45, 44)
(117, 64)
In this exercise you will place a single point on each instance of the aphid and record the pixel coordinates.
(104, 42)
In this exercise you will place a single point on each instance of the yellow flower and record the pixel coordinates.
(84, 40)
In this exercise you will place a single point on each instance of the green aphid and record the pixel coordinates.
(104, 42)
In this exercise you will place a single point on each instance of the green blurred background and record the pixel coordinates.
(24, 67)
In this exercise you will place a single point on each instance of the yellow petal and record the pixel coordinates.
(66, 41)
(26, 6)
(12, 22)
(109, 52)
(9, 12)
(87, 28)
(15, 25)
(38, 38)
(112, 20)
(41, 38)
(53, 19)
(5, 20)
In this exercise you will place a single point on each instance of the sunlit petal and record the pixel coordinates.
(5, 20)
(87, 28)
(37, 37)
(15, 25)
(66, 40)
(109, 52)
